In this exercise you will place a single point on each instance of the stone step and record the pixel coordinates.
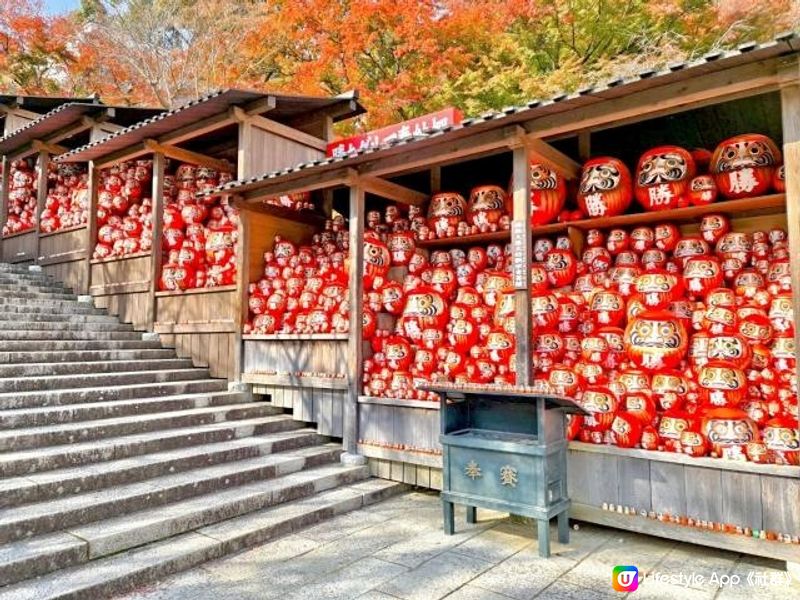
(105, 577)
(88, 380)
(109, 393)
(92, 411)
(51, 345)
(49, 317)
(59, 356)
(28, 462)
(68, 335)
(25, 311)
(69, 433)
(25, 521)
(85, 367)
(33, 287)
(68, 481)
(47, 303)
(63, 326)
(22, 296)
(27, 279)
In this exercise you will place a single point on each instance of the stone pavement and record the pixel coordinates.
(396, 549)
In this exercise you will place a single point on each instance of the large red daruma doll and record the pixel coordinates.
(656, 340)
(721, 384)
(446, 210)
(548, 194)
(728, 430)
(662, 178)
(744, 165)
(487, 203)
(781, 439)
(606, 187)
(425, 308)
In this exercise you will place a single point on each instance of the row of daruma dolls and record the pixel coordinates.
(21, 201)
(666, 177)
(303, 289)
(655, 333)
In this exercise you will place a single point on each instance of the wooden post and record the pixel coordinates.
(43, 164)
(790, 110)
(521, 250)
(243, 166)
(242, 283)
(159, 164)
(436, 179)
(354, 347)
(91, 229)
(4, 186)
(585, 145)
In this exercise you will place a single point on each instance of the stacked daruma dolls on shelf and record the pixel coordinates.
(124, 210)
(199, 233)
(304, 287)
(21, 202)
(67, 203)
(450, 215)
(438, 316)
(681, 343)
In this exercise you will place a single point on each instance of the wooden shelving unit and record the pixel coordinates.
(467, 240)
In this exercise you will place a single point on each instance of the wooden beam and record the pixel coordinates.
(242, 285)
(261, 106)
(197, 129)
(51, 148)
(188, 156)
(436, 179)
(551, 157)
(659, 100)
(585, 145)
(391, 191)
(354, 341)
(91, 230)
(159, 165)
(287, 132)
(42, 165)
(129, 153)
(447, 152)
(22, 113)
(5, 182)
(318, 181)
(243, 153)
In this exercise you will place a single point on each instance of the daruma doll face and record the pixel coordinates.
(605, 188)
(662, 177)
(744, 165)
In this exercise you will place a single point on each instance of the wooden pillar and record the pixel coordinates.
(43, 165)
(159, 164)
(91, 229)
(354, 347)
(521, 251)
(4, 186)
(242, 283)
(584, 145)
(436, 179)
(790, 110)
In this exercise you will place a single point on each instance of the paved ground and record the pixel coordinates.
(396, 549)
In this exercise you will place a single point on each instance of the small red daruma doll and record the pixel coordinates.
(658, 288)
(545, 311)
(561, 267)
(779, 180)
(487, 203)
(781, 439)
(693, 442)
(445, 212)
(626, 430)
(601, 404)
(656, 340)
(548, 194)
(728, 431)
(721, 384)
(672, 424)
(377, 259)
(606, 188)
(607, 308)
(702, 190)
(744, 165)
(662, 177)
(667, 236)
(701, 274)
(713, 227)
(401, 246)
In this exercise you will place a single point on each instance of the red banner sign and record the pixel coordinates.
(420, 126)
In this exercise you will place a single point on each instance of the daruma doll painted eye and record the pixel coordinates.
(743, 165)
(662, 177)
(721, 384)
(656, 340)
(605, 188)
(548, 194)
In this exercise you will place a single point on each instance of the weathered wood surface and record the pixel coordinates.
(323, 407)
(295, 356)
(21, 247)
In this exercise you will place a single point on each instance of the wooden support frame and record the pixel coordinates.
(521, 250)
(159, 166)
(187, 156)
(242, 116)
(4, 187)
(47, 147)
(551, 157)
(391, 191)
(42, 165)
(354, 345)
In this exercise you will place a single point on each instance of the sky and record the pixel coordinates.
(55, 7)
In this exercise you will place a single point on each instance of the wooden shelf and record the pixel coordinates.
(288, 337)
(745, 207)
(64, 230)
(402, 402)
(20, 233)
(478, 238)
(203, 290)
(111, 259)
(719, 464)
(425, 459)
(728, 541)
(308, 217)
(329, 383)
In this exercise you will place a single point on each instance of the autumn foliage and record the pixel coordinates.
(406, 57)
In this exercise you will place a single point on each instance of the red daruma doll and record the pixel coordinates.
(656, 340)
(605, 188)
(548, 194)
(744, 165)
(662, 178)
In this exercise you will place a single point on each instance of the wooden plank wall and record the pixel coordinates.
(20, 248)
(418, 475)
(399, 426)
(62, 255)
(270, 152)
(217, 351)
(121, 286)
(311, 405)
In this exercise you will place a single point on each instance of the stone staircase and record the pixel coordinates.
(121, 463)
